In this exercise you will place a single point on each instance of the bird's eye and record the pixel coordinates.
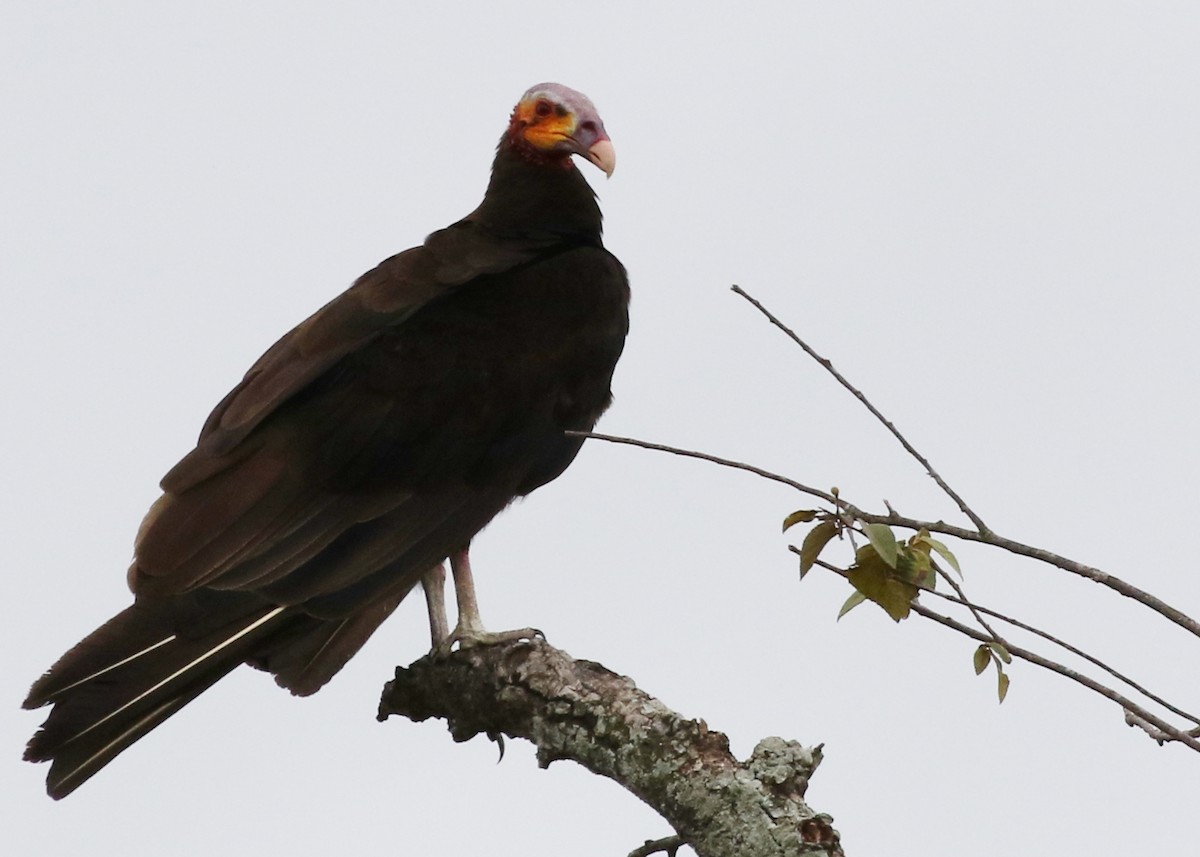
(589, 126)
(543, 108)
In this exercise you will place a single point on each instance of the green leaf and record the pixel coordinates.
(884, 541)
(1002, 686)
(945, 553)
(871, 576)
(814, 543)
(801, 517)
(983, 657)
(853, 601)
(1001, 652)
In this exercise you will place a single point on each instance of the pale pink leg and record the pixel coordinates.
(434, 584)
(470, 631)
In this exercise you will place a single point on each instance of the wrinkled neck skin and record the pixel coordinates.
(538, 199)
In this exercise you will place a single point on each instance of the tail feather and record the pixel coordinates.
(132, 633)
(75, 763)
(98, 712)
(155, 657)
(304, 661)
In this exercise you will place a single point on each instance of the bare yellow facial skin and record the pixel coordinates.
(546, 124)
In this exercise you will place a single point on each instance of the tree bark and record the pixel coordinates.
(579, 710)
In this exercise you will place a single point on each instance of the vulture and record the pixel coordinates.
(363, 450)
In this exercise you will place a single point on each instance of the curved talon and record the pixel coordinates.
(498, 737)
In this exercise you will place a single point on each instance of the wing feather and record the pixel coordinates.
(381, 298)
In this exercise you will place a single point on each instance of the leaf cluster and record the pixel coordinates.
(887, 571)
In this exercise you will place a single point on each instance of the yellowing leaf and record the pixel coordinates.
(870, 576)
(1002, 686)
(801, 517)
(884, 541)
(814, 543)
(853, 601)
(983, 657)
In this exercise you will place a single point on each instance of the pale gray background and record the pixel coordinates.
(986, 213)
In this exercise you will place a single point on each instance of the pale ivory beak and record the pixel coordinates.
(603, 155)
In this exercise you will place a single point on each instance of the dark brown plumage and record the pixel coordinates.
(369, 444)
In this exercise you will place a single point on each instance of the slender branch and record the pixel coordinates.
(1135, 714)
(1017, 623)
(988, 537)
(1092, 659)
(1024, 654)
(841, 379)
(1086, 571)
(704, 456)
(966, 602)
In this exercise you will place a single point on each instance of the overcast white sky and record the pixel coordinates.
(985, 213)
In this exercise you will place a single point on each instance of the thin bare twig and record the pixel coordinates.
(841, 379)
(704, 456)
(988, 537)
(966, 602)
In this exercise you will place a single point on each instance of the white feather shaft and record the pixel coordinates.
(224, 644)
(109, 668)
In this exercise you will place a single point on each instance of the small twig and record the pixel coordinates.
(966, 602)
(841, 379)
(1017, 623)
(669, 844)
(703, 456)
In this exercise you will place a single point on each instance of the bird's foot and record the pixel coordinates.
(467, 638)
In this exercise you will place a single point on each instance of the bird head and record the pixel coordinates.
(551, 122)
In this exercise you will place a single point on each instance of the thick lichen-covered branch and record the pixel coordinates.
(581, 711)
